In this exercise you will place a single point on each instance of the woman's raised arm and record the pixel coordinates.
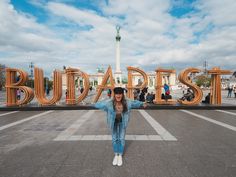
(137, 104)
(101, 105)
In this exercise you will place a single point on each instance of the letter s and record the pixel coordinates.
(184, 78)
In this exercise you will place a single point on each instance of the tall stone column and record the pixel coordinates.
(118, 72)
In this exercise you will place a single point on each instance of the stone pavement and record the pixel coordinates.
(165, 143)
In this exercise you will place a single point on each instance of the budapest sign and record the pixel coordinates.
(12, 85)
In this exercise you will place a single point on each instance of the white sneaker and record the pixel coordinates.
(119, 161)
(115, 160)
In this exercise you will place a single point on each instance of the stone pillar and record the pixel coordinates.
(118, 73)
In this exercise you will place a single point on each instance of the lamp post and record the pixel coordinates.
(205, 64)
(31, 66)
(46, 87)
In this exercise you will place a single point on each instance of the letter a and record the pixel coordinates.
(104, 84)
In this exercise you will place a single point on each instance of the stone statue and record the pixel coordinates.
(117, 29)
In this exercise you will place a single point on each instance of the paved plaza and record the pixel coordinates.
(165, 143)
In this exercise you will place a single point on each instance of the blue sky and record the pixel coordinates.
(81, 33)
(179, 8)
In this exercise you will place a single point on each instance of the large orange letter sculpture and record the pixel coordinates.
(130, 86)
(39, 87)
(12, 86)
(70, 75)
(185, 79)
(159, 86)
(215, 93)
(104, 85)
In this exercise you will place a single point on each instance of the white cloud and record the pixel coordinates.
(77, 15)
(220, 12)
(150, 36)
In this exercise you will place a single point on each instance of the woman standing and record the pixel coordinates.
(118, 115)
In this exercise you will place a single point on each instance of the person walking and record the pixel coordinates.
(235, 91)
(118, 114)
(230, 89)
(66, 93)
(47, 91)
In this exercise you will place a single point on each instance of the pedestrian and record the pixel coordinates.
(81, 90)
(149, 98)
(188, 96)
(166, 87)
(207, 99)
(163, 96)
(230, 89)
(109, 93)
(79, 93)
(91, 88)
(47, 90)
(66, 93)
(234, 91)
(153, 96)
(142, 96)
(136, 94)
(167, 95)
(18, 94)
(118, 115)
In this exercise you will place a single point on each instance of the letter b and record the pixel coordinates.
(12, 84)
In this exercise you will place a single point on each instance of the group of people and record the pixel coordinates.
(143, 95)
(140, 95)
(189, 95)
(230, 90)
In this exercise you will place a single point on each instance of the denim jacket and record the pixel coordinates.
(107, 105)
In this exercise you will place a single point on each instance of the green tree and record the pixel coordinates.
(124, 80)
(30, 83)
(203, 80)
(47, 81)
(2, 76)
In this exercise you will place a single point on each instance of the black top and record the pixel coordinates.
(118, 118)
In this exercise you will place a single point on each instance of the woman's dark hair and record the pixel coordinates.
(123, 102)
